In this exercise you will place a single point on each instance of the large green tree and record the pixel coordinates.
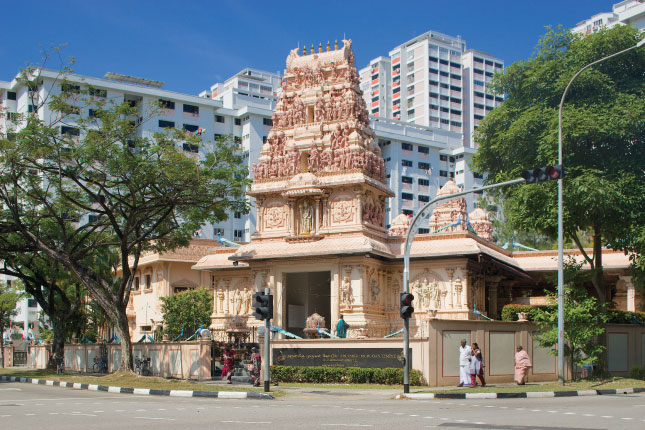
(603, 141)
(104, 191)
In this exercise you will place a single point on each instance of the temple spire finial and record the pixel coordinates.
(336, 45)
(320, 47)
(328, 46)
(304, 50)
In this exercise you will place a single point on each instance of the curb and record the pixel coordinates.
(141, 391)
(527, 395)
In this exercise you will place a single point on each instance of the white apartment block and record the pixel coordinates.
(25, 322)
(432, 81)
(246, 116)
(628, 12)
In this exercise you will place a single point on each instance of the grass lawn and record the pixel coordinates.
(129, 380)
(585, 384)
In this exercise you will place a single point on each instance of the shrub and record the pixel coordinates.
(637, 372)
(348, 375)
(509, 312)
(616, 316)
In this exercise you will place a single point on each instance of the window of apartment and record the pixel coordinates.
(478, 83)
(434, 71)
(407, 146)
(191, 147)
(410, 90)
(411, 112)
(423, 149)
(238, 121)
(443, 173)
(478, 94)
(72, 109)
(190, 128)
(445, 86)
(219, 118)
(31, 303)
(407, 180)
(489, 108)
(445, 121)
(499, 99)
(167, 104)
(406, 163)
(11, 95)
(374, 99)
(434, 119)
(407, 196)
(499, 65)
(452, 159)
(444, 62)
(489, 74)
(434, 95)
(434, 83)
(408, 212)
(424, 182)
(12, 116)
(410, 67)
(489, 97)
(443, 157)
(267, 121)
(455, 123)
(444, 98)
(478, 116)
(479, 105)
(69, 131)
(478, 60)
(455, 88)
(375, 110)
(445, 74)
(445, 109)
(148, 282)
(455, 112)
(238, 234)
(424, 199)
(423, 230)
(166, 124)
(69, 88)
(433, 59)
(478, 176)
(455, 100)
(384, 142)
(191, 109)
(136, 284)
(434, 107)
(455, 65)
(238, 215)
(424, 165)
(479, 72)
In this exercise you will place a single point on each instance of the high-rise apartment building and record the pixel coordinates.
(628, 12)
(432, 81)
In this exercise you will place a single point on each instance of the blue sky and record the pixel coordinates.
(191, 45)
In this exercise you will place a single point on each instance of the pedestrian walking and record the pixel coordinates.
(229, 364)
(476, 366)
(255, 366)
(522, 365)
(341, 328)
(464, 363)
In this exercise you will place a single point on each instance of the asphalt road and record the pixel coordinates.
(26, 406)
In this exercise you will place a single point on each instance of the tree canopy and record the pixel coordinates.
(187, 311)
(91, 191)
(603, 141)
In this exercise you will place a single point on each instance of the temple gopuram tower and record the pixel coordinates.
(320, 171)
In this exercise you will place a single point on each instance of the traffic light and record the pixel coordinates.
(406, 305)
(263, 304)
(543, 174)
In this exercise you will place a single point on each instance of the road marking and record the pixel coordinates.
(120, 410)
(536, 410)
(248, 422)
(29, 415)
(607, 416)
(141, 410)
(428, 417)
(489, 406)
(627, 418)
(384, 412)
(10, 389)
(155, 418)
(53, 413)
(345, 425)
(399, 413)
(503, 407)
(569, 413)
(98, 412)
(589, 415)
(414, 415)
(161, 409)
(78, 414)
(552, 412)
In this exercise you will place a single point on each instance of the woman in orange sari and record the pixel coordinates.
(522, 364)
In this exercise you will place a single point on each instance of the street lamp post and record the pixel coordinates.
(425, 212)
(560, 227)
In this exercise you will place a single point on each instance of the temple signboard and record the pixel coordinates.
(339, 357)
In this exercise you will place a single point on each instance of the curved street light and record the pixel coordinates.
(560, 228)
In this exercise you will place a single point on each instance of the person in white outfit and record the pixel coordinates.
(464, 363)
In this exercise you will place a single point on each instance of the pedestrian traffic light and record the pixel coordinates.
(543, 174)
(263, 304)
(406, 305)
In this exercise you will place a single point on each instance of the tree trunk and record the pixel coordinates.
(2, 346)
(58, 342)
(123, 331)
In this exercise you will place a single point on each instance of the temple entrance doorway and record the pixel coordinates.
(307, 293)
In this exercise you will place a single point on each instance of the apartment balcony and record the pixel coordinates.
(456, 94)
(480, 100)
(456, 82)
(406, 187)
(454, 105)
(481, 112)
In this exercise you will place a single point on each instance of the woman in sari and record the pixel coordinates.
(229, 364)
(255, 366)
(522, 364)
(476, 366)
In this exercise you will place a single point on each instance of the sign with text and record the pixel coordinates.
(339, 357)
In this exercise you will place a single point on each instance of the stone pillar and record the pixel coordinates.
(227, 295)
(493, 284)
(451, 292)
(292, 218)
(631, 293)
(317, 216)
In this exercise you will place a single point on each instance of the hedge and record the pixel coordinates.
(614, 316)
(509, 312)
(347, 375)
(637, 372)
